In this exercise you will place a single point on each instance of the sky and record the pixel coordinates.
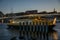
(8, 6)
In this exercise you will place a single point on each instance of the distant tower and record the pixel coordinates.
(54, 11)
(12, 14)
(11, 10)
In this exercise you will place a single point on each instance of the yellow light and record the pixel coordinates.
(36, 19)
(54, 22)
(13, 22)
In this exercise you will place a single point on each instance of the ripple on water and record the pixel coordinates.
(6, 34)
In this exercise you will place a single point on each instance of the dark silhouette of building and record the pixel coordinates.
(29, 12)
(32, 11)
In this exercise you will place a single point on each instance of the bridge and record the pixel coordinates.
(30, 15)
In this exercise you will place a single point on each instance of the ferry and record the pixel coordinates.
(32, 21)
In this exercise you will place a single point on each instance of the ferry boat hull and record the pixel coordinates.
(50, 27)
(36, 22)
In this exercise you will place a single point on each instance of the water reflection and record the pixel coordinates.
(53, 34)
(13, 34)
(50, 35)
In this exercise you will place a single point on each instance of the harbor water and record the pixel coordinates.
(14, 34)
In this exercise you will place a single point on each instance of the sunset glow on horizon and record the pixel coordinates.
(8, 6)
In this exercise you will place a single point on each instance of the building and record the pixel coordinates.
(32, 11)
